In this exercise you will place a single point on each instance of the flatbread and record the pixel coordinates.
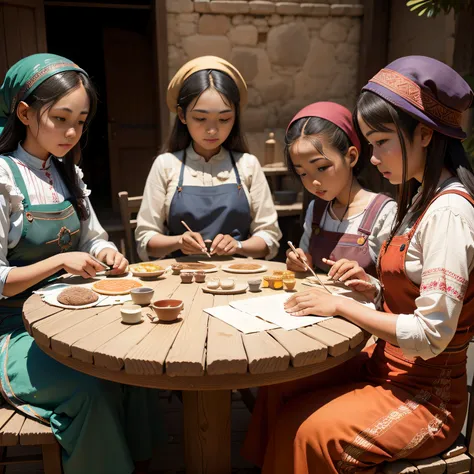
(115, 287)
(245, 266)
(77, 296)
(197, 266)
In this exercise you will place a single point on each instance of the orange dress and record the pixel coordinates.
(379, 406)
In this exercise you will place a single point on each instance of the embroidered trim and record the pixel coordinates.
(38, 76)
(364, 441)
(445, 281)
(421, 99)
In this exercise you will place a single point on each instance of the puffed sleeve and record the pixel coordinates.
(382, 228)
(262, 209)
(446, 238)
(93, 237)
(11, 220)
(307, 228)
(152, 215)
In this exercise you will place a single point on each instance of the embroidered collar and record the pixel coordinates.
(31, 161)
(191, 154)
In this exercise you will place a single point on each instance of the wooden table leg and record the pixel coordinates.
(207, 421)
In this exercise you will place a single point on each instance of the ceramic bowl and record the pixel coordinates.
(186, 277)
(254, 284)
(142, 295)
(199, 277)
(131, 313)
(285, 197)
(167, 310)
(289, 283)
(176, 268)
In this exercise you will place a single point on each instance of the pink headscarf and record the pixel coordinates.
(332, 112)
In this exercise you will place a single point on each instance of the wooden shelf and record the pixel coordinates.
(275, 171)
(284, 210)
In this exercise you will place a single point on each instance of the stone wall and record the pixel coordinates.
(290, 53)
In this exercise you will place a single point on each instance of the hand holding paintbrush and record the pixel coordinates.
(307, 267)
(197, 241)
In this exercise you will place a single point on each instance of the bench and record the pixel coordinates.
(18, 429)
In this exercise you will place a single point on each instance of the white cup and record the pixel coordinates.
(131, 313)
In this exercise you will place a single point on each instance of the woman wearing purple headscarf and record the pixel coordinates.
(406, 396)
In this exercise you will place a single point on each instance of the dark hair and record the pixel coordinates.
(47, 94)
(193, 87)
(442, 152)
(307, 127)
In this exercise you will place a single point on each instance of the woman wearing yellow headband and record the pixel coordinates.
(207, 178)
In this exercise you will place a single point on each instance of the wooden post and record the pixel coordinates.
(207, 420)
(374, 39)
(51, 458)
(270, 149)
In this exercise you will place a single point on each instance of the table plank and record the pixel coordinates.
(44, 329)
(264, 353)
(148, 357)
(303, 350)
(354, 333)
(225, 348)
(84, 348)
(38, 314)
(34, 433)
(61, 342)
(188, 353)
(336, 343)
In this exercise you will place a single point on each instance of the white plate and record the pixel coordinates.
(238, 288)
(227, 268)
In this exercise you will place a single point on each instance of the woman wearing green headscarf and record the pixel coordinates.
(45, 103)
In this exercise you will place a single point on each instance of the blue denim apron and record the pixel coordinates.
(210, 210)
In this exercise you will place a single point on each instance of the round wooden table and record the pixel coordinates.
(199, 354)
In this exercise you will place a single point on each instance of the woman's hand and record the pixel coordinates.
(315, 301)
(114, 259)
(80, 263)
(224, 245)
(352, 275)
(192, 243)
(294, 264)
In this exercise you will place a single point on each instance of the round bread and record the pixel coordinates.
(77, 296)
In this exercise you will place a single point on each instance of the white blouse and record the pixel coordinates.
(163, 179)
(440, 259)
(380, 230)
(45, 186)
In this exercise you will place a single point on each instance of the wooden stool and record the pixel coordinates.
(17, 429)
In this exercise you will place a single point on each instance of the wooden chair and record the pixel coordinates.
(129, 207)
(455, 460)
(17, 429)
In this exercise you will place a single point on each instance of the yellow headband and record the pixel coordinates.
(201, 64)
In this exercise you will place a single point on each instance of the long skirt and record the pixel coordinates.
(102, 427)
(377, 407)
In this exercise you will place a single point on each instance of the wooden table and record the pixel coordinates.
(200, 355)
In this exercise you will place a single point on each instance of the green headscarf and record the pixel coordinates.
(25, 76)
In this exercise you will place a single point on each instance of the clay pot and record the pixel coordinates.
(142, 295)
(167, 310)
(186, 277)
(199, 277)
(254, 285)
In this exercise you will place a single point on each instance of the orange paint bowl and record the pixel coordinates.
(167, 310)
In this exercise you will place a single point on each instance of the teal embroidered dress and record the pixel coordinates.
(102, 427)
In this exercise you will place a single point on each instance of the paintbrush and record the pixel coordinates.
(189, 228)
(300, 258)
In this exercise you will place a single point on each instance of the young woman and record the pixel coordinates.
(47, 226)
(406, 396)
(346, 221)
(207, 178)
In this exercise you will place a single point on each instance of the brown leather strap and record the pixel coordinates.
(319, 208)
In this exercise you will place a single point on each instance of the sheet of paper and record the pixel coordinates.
(242, 321)
(270, 308)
